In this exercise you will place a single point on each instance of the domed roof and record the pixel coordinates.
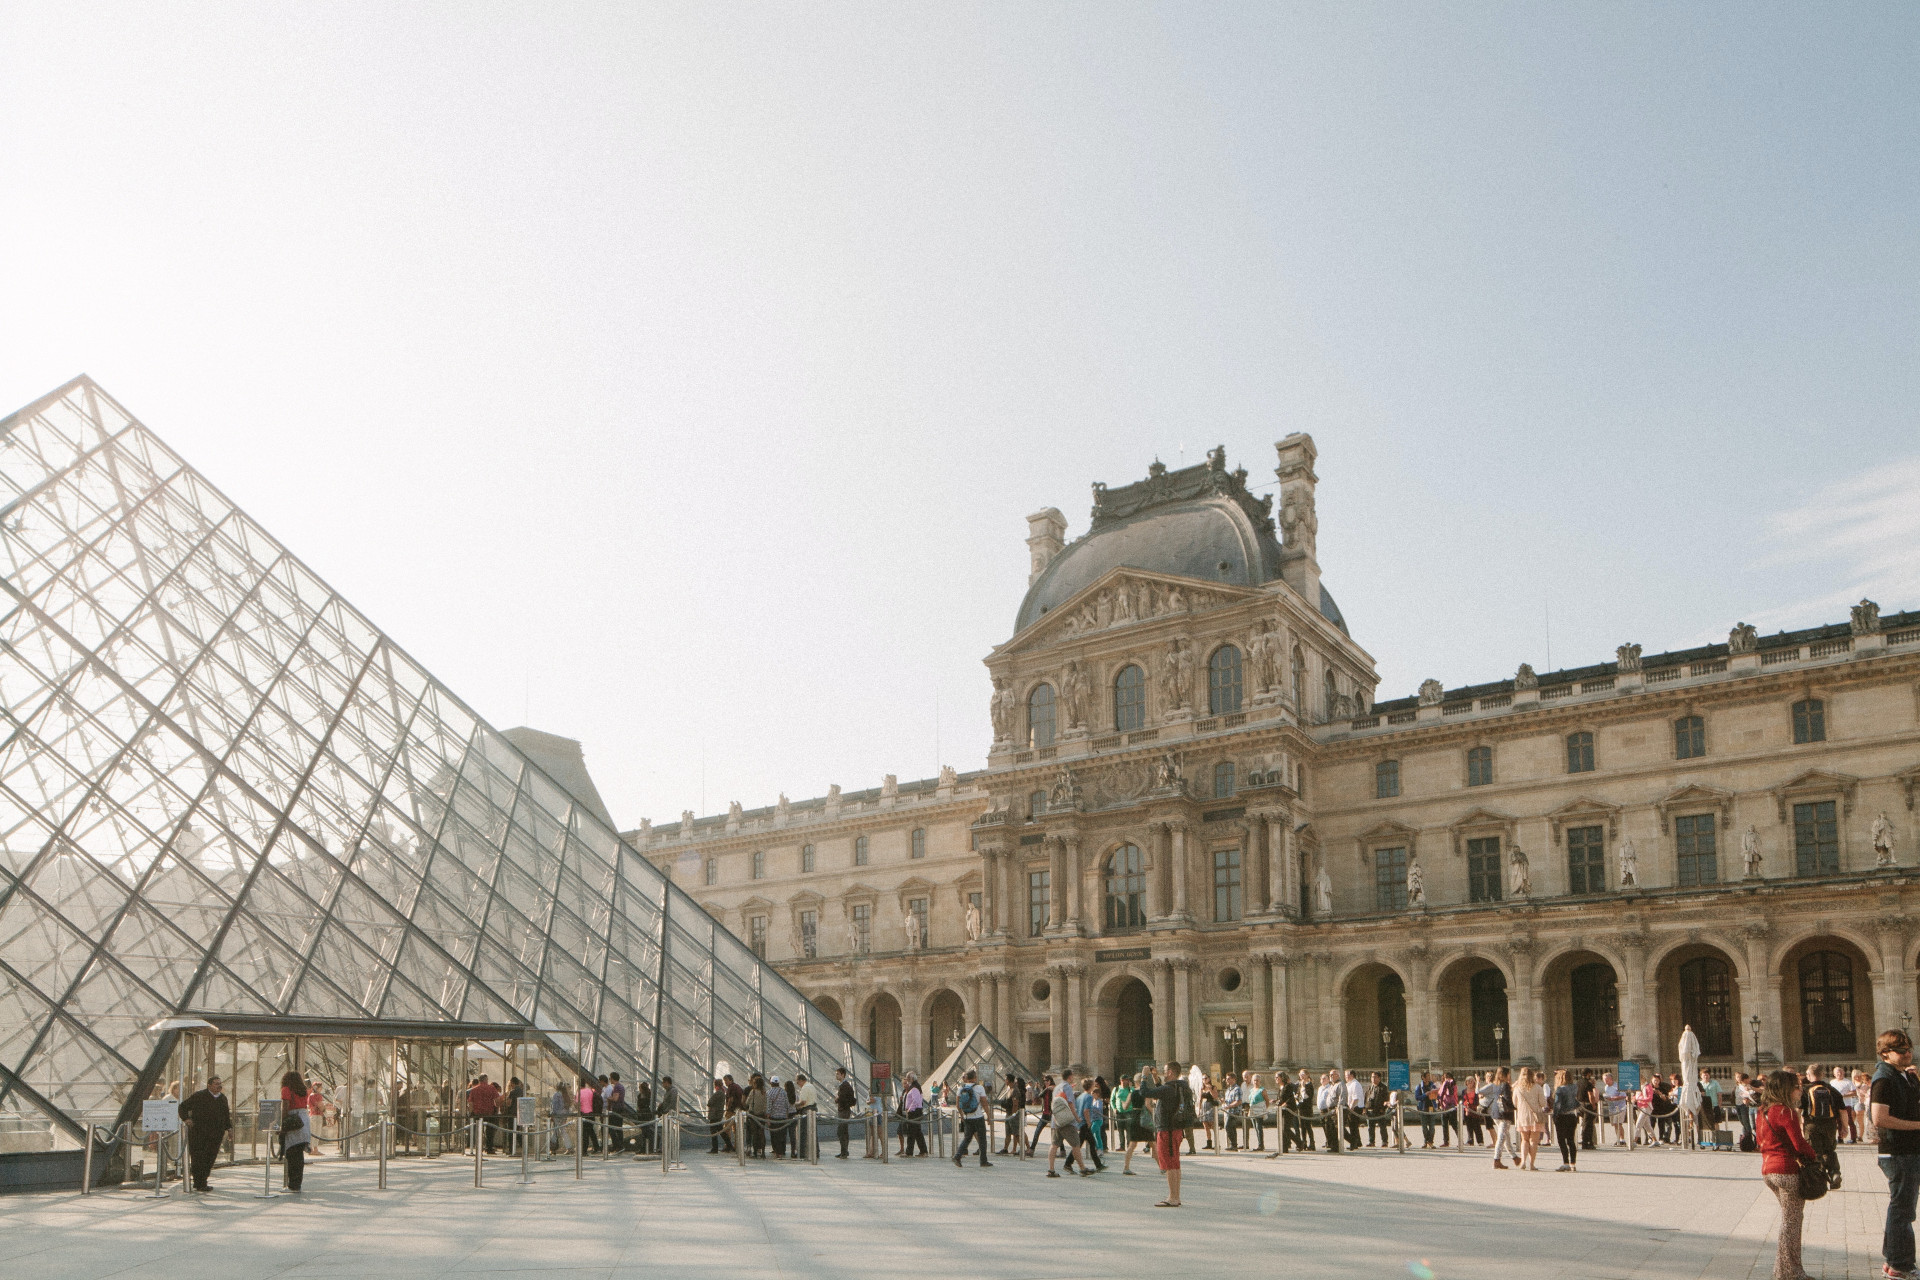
(1199, 522)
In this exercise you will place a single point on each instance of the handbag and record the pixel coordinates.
(1813, 1180)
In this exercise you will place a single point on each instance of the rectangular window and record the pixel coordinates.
(757, 936)
(806, 857)
(862, 928)
(1816, 839)
(713, 871)
(1389, 879)
(1480, 767)
(1223, 780)
(1226, 885)
(759, 864)
(917, 921)
(809, 933)
(1586, 860)
(1579, 753)
(1386, 779)
(1689, 738)
(1810, 721)
(1698, 851)
(919, 843)
(1483, 869)
(1039, 906)
(859, 851)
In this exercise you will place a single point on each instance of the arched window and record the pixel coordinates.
(1580, 752)
(1706, 1003)
(1689, 737)
(1299, 677)
(1040, 716)
(919, 849)
(1126, 890)
(1810, 721)
(1479, 766)
(1487, 1004)
(1223, 780)
(1329, 693)
(1595, 997)
(1036, 804)
(1223, 681)
(1826, 1004)
(1130, 699)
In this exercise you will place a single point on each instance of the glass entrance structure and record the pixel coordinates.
(226, 795)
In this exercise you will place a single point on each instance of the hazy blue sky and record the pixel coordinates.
(678, 378)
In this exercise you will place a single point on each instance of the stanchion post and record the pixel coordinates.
(579, 1147)
(740, 1138)
(86, 1164)
(606, 1141)
(879, 1113)
(663, 1132)
(386, 1141)
(526, 1145)
(476, 1151)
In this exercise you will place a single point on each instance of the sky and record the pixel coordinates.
(678, 377)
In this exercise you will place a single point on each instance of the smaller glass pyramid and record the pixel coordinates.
(981, 1051)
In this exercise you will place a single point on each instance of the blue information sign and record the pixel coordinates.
(1398, 1077)
(1628, 1073)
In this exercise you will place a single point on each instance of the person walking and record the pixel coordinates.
(1566, 1120)
(1355, 1098)
(1820, 1108)
(296, 1129)
(1064, 1117)
(1530, 1114)
(1499, 1103)
(970, 1100)
(913, 1112)
(1136, 1122)
(1893, 1108)
(779, 1112)
(1589, 1111)
(1783, 1149)
(1173, 1105)
(1090, 1110)
(1012, 1100)
(717, 1120)
(208, 1117)
(844, 1100)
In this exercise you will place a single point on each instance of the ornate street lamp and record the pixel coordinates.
(1386, 1044)
(1235, 1036)
(1754, 1024)
(1499, 1042)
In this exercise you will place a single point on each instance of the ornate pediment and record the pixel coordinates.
(1125, 597)
(1585, 812)
(1695, 796)
(1385, 834)
(1816, 783)
(1481, 822)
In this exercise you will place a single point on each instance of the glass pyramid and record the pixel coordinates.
(224, 790)
(981, 1051)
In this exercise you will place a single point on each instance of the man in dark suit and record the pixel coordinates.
(208, 1118)
(844, 1101)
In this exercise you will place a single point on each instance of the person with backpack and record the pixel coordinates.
(913, 1110)
(1498, 1097)
(1089, 1108)
(1820, 1106)
(1012, 1101)
(970, 1101)
(1064, 1118)
(1173, 1107)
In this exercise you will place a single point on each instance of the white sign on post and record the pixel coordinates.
(523, 1111)
(160, 1117)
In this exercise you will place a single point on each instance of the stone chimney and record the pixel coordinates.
(1046, 536)
(1299, 562)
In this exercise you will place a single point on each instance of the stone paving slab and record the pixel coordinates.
(1647, 1215)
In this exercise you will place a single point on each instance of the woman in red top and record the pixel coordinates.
(1783, 1148)
(295, 1143)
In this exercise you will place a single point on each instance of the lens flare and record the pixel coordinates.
(1420, 1270)
(1270, 1203)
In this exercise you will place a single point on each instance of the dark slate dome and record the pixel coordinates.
(1199, 522)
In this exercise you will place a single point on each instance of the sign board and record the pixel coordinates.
(1399, 1076)
(881, 1071)
(1124, 953)
(269, 1113)
(1628, 1074)
(160, 1117)
(523, 1112)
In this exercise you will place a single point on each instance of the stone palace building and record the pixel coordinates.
(1200, 836)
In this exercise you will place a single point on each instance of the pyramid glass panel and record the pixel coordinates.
(230, 805)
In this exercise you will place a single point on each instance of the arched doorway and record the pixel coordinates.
(946, 1026)
(1132, 1027)
(883, 1031)
(1698, 986)
(1581, 993)
(829, 1006)
(1827, 997)
(1474, 1024)
(1375, 1000)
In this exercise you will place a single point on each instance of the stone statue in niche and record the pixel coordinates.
(1323, 893)
(1416, 886)
(1627, 657)
(1176, 675)
(1744, 638)
(1430, 692)
(1750, 852)
(910, 927)
(1629, 866)
(1519, 874)
(973, 921)
(1263, 655)
(853, 938)
(1866, 618)
(1077, 687)
(1524, 677)
(1882, 841)
(1002, 706)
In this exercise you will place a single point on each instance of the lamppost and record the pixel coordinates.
(1619, 1038)
(1386, 1044)
(1499, 1042)
(1753, 1023)
(1235, 1035)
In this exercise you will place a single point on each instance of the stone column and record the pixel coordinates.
(1057, 1046)
(1071, 857)
(1260, 1047)
(1282, 1013)
(1056, 884)
(1638, 1009)
(1181, 874)
(1157, 854)
(1161, 971)
(1183, 1011)
(1274, 837)
(1328, 1008)
(913, 1031)
(1003, 892)
(1256, 870)
(1289, 867)
(1889, 999)
(1003, 1006)
(1421, 1041)
(1524, 1015)
(1757, 994)
(1076, 1014)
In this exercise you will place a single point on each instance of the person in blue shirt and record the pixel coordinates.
(1091, 1110)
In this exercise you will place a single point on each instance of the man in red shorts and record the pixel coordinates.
(1173, 1114)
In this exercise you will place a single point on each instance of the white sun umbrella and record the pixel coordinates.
(1689, 1071)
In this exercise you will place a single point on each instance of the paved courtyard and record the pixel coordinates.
(1664, 1214)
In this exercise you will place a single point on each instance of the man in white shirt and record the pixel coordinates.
(1327, 1103)
(1356, 1100)
(1613, 1105)
(1230, 1104)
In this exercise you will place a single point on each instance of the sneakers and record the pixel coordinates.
(956, 1162)
(1887, 1270)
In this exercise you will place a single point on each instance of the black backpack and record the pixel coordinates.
(1183, 1116)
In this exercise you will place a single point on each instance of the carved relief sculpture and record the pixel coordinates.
(948, 778)
(1750, 852)
(1524, 677)
(1882, 841)
(1166, 774)
(1430, 693)
(1078, 688)
(1001, 707)
(1263, 654)
(1744, 638)
(1065, 792)
(1519, 874)
(1629, 866)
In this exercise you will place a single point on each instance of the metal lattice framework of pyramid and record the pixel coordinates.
(981, 1051)
(223, 789)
